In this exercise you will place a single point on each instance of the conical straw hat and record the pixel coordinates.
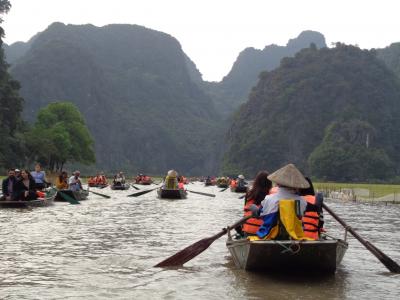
(289, 176)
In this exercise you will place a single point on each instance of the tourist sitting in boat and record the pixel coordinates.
(119, 179)
(282, 212)
(171, 180)
(259, 190)
(313, 218)
(8, 186)
(101, 179)
(40, 177)
(74, 182)
(240, 182)
(25, 188)
(62, 181)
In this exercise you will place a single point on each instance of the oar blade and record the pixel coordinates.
(223, 190)
(389, 263)
(186, 254)
(99, 194)
(141, 193)
(200, 193)
(135, 187)
(68, 198)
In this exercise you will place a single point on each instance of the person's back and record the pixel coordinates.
(289, 179)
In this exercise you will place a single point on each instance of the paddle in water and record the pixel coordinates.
(390, 264)
(135, 187)
(195, 249)
(223, 190)
(200, 193)
(141, 193)
(99, 194)
(68, 198)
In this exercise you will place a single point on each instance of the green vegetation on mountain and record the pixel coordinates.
(133, 87)
(11, 146)
(59, 136)
(334, 110)
(235, 87)
(391, 56)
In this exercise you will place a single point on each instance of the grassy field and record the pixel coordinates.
(375, 190)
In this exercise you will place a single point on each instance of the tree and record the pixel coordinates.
(60, 135)
(11, 146)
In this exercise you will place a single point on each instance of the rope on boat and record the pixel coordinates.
(289, 249)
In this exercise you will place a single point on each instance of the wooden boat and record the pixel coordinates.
(171, 194)
(237, 189)
(120, 187)
(98, 185)
(146, 180)
(40, 202)
(81, 195)
(288, 255)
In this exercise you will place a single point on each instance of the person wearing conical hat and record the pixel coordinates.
(289, 179)
(171, 181)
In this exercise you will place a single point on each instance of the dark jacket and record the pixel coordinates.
(5, 185)
(20, 188)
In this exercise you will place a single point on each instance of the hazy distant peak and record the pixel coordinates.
(307, 37)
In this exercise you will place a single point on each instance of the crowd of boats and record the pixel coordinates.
(282, 226)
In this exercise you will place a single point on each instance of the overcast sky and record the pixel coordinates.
(213, 32)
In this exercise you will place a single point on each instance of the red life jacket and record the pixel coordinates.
(251, 226)
(311, 224)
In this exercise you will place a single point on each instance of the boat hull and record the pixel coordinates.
(79, 196)
(122, 187)
(25, 204)
(272, 255)
(100, 186)
(171, 194)
(239, 189)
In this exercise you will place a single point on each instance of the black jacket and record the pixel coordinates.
(5, 185)
(20, 186)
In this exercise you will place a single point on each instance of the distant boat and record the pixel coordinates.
(171, 194)
(144, 180)
(120, 187)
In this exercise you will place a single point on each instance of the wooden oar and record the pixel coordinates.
(68, 198)
(383, 258)
(241, 197)
(200, 193)
(99, 194)
(195, 249)
(136, 188)
(223, 190)
(141, 193)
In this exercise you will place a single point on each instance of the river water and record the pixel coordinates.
(105, 249)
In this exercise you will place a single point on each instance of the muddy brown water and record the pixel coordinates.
(105, 249)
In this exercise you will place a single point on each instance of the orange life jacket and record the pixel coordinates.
(311, 218)
(181, 185)
(233, 183)
(251, 226)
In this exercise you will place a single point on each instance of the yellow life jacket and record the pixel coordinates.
(289, 220)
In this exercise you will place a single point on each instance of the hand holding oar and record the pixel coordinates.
(200, 193)
(68, 198)
(195, 249)
(383, 258)
(141, 193)
(99, 194)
